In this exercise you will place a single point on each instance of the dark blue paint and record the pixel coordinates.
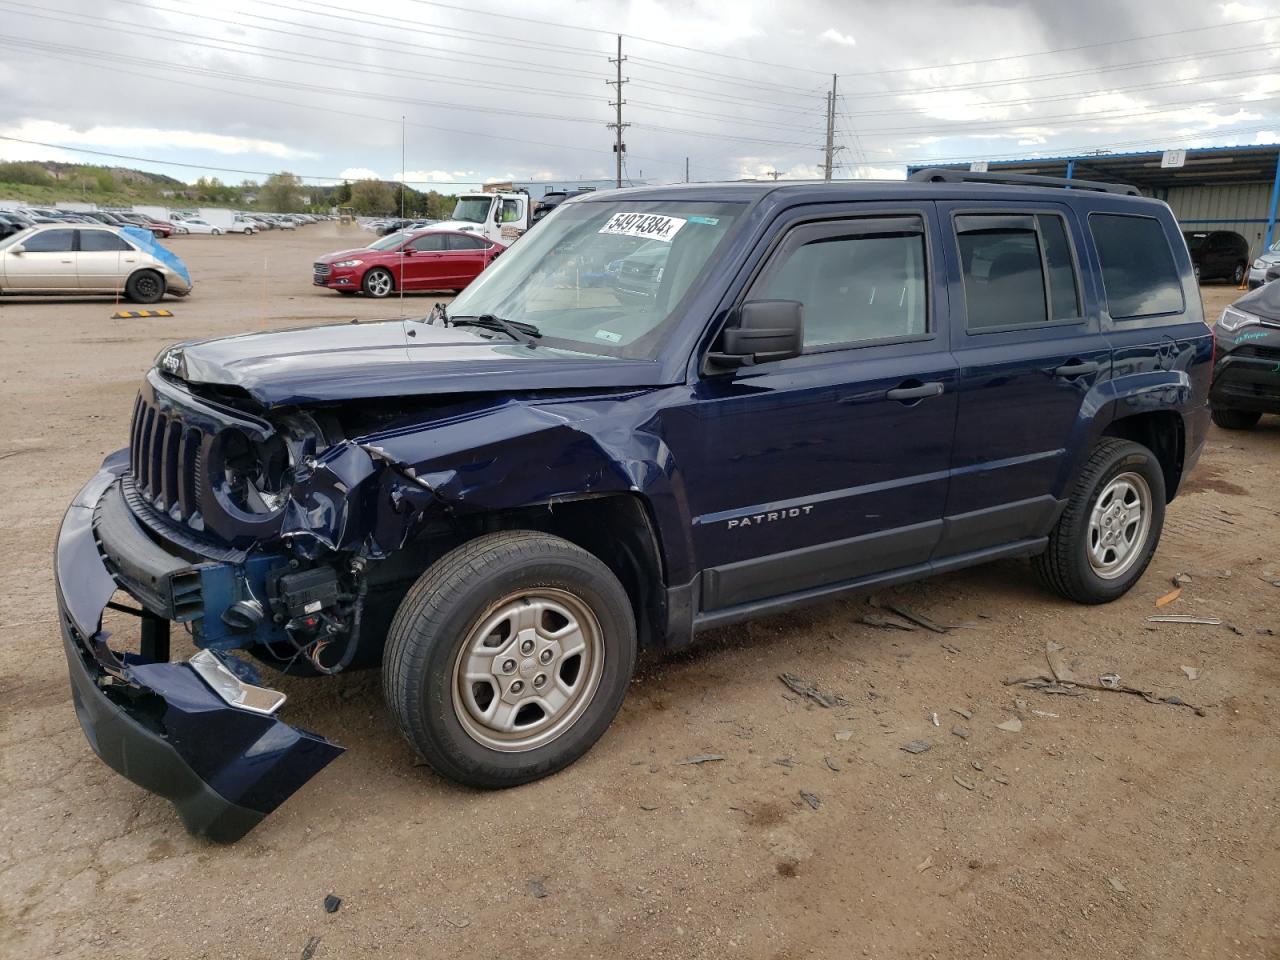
(733, 469)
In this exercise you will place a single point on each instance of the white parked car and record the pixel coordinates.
(70, 258)
(243, 225)
(196, 225)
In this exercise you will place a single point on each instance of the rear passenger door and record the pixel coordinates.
(1030, 349)
(466, 258)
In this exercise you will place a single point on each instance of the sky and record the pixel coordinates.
(489, 90)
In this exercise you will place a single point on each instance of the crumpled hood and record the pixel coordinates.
(391, 358)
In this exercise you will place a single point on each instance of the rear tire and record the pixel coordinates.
(1109, 530)
(145, 286)
(1229, 419)
(509, 658)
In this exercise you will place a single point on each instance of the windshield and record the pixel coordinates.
(1195, 240)
(389, 242)
(603, 277)
(472, 209)
(1275, 247)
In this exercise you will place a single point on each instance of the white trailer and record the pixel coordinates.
(152, 211)
(219, 217)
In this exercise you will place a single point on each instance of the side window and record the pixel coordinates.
(429, 242)
(859, 281)
(94, 241)
(50, 241)
(460, 241)
(1138, 272)
(512, 211)
(1018, 270)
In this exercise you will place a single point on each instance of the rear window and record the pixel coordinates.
(1138, 272)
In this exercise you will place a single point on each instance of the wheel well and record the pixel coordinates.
(1161, 432)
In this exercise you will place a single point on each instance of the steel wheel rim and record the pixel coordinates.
(148, 286)
(1119, 524)
(380, 284)
(528, 670)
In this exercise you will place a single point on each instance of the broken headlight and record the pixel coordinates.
(256, 476)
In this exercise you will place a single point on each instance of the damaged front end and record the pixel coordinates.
(245, 532)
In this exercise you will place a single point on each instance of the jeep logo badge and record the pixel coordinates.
(171, 361)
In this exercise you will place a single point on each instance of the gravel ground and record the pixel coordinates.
(1106, 827)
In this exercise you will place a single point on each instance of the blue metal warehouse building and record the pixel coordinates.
(1214, 188)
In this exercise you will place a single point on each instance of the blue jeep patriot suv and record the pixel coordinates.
(805, 389)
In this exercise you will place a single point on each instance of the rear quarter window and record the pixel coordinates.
(1138, 272)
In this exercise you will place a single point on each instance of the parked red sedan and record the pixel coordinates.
(420, 260)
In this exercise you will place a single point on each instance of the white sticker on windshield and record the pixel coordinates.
(609, 335)
(647, 226)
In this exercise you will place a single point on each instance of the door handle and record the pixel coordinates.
(915, 393)
(1076, 368)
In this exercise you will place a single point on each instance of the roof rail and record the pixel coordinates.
(938, 175)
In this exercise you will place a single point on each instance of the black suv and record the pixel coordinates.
(826, 387)
(1218, 255)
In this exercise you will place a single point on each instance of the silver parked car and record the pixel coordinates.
(70, 259)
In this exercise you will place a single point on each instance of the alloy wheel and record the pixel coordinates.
(1118, 525)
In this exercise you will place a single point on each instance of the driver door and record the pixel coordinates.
(427, 267)
(47, 262)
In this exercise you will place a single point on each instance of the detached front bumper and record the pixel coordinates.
(159, 724)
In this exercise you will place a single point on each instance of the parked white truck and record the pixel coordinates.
(498, 212)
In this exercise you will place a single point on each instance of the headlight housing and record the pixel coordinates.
(257, 477)
(1259, 264)
(1233, 319)
(348, 263)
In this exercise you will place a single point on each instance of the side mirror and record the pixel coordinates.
(765, 330)
(17, 248)
(408, 251)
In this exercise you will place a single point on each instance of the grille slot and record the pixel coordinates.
(322, 269)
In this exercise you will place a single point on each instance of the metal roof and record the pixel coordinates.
(1203, 165)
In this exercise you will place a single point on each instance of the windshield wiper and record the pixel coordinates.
(526, 333)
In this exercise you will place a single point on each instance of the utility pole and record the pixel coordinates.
(617, 126)
(686, 169)
(831, 130)
(402, 166)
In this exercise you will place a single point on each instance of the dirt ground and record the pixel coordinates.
(1106, 827)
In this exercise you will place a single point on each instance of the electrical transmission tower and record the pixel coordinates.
(618, 126)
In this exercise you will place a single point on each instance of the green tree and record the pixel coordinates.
(105, 181)
(282, 193)
(342, 194)
(31, 174)
(372, 197)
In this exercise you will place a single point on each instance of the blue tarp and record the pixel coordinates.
(147, 241)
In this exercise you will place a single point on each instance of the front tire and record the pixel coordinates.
(378, 283)
(509, 658)
(1238, 277)
(1229, 419)
(1109, 530)
(216, 232)
(145, 286)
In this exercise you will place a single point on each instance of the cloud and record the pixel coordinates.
(832, 35)
(359, 173)
(149, 139)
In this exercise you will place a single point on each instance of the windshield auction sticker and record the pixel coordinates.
(647, 226)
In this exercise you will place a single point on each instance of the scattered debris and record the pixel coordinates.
(1057, 666)
(924, 864)
(806, 689)
(331, 903)
(1181, 579)
(843, 735)
(742, 810)
(1234, 629)
(916, 618)
(650, 807)
(1000, 778)
(1265, 632)
(460, 924)
(811, 799)
(1045, 713)
(961, 732)
(700, 758)
(933, 718)
(1013, 725)
(785, 762)
(537, 888)
(832, 765)
(1169, 597)
(883, 623)
(976, 764)
(967, 784)
(1110, 680)
(1117, 885)
(1191, 672)
(950, 648)
(1182, 618)
(309, 950)
(961, 711)
(918, 746)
